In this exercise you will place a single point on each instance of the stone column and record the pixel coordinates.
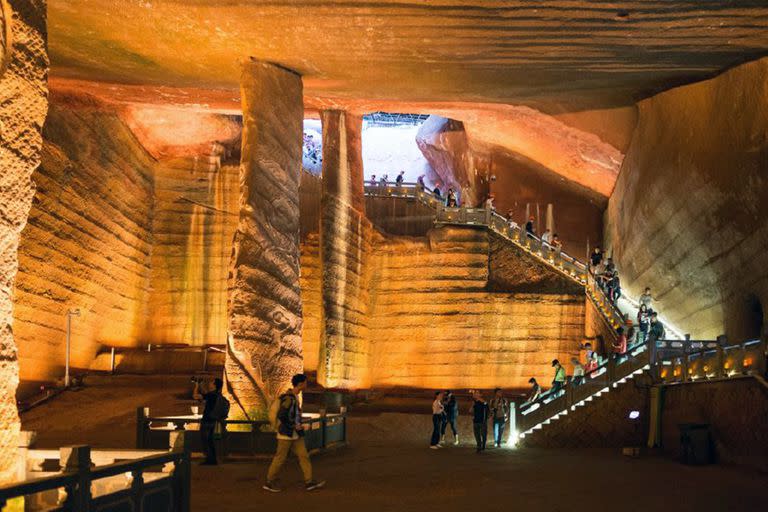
(23, 96)
(345, 239)
(264, 306)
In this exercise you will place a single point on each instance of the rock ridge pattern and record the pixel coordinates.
(24, 103)
(687, 217)
(264, 301)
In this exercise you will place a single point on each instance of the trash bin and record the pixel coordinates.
(696, 445)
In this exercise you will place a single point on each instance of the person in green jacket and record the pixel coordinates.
(559, 381)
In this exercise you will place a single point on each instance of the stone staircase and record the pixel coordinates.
(612, 373)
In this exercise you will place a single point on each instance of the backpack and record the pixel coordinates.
(220, 409)
(274, 408)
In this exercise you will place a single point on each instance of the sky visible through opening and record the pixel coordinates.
(388, 148)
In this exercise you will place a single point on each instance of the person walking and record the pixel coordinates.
(399, 179)
(438, 411)
(290, 436)
(451, 414)
(592, 359)
(480, 413)
(215, 412)
(643, 323)
(656, 333)
(529, 228)
(620, 345)
(647, 299)
(578, 372)
(373, 181)
(559, 381)
(500, 414)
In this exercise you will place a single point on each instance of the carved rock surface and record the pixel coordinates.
(688, 215)
(23, 96)
(433, 323)
(345, 239)
(87, 244)
(264, 345)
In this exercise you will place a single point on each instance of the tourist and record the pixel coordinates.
(620, 345)
(643, 323)
(437, 193)
(420, 182)
(510, 221)
(480, 413)
(614, 286)
(451, 199)
(591, 359)
(500, 413)
(529, 228)
(578, 372)
(438, 410)
(557, 245)
(647, 299)
(546, 237)
(489, 203)
(596, 257)
(535, 391)
(373, 180)
(451, 414)
(656, 333)
(383, 180)
(559, 381)
(630, 330)
(215, 412)
(290, 436)
(399, 179)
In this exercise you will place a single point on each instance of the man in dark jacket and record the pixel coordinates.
(451, 414)
(480, 413)
(290, 437)
(215, 411)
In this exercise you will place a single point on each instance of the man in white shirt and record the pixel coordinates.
(438, 410)
(546, 237)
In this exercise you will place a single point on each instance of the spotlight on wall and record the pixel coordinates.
(633, 415)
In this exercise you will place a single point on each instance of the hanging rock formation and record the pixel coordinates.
(264, 340)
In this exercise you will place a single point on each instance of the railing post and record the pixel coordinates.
(112, 360)
(182, 472)
(77, 459)
(343, 412)
(142, 413)
(26, 438)
(720, 370)
(323, 426)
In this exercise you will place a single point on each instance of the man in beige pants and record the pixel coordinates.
(290, 437)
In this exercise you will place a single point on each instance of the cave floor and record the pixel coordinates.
(388, 466)
(390, 474)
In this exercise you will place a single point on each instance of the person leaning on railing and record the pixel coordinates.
(559, 381)
(535, 391)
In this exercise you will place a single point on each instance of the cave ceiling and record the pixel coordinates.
(465, 58)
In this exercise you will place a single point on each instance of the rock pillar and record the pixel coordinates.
(264, 305)
(24, 103)
(345, 238)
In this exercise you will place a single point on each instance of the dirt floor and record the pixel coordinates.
(388, 466)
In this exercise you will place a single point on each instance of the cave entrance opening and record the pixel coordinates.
(389, 146)
(312, 150)
(753, 326)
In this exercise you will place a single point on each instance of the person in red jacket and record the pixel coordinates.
(620, 345)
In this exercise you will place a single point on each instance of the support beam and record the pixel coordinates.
(345, 239)
(23, 96)
(264, 305)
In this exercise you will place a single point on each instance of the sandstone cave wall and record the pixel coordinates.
(194, 220)
(23, 107)
(87, 244)
(688, 214)
(435, 322)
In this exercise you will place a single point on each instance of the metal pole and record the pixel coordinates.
(66, 360)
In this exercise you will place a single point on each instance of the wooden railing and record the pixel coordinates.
(243, 437)
(78, 479)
